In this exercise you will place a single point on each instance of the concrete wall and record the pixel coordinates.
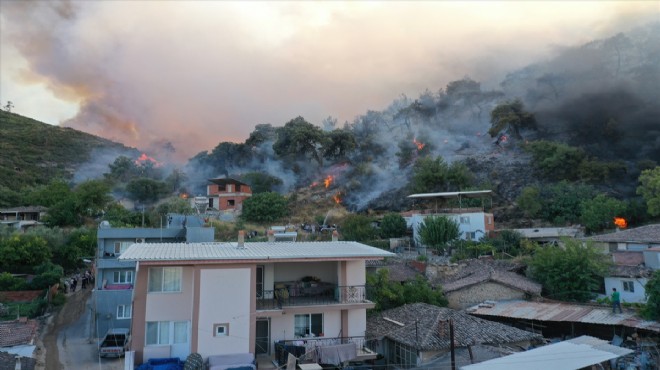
(106, 302)
(652, 259)
(355, 273)
(631, 297)
(478, 293)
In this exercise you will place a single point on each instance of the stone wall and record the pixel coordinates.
(475, 294)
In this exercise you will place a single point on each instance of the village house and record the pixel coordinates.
(418, 334)
(223, 298)
(113, 286)
(473, 222)
(227, 194)
(22, 217)
(550, 235)
(471, 282)
(18, 344)
(629, 275)
(635, 239)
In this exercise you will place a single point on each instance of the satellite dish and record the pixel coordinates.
(104, 225)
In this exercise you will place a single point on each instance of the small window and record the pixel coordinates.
(465, 220)
(120, 247)
(470, 235)
(629, 286)
(220, 330)
(230, 202)
(308, 325)
(490, 220)
(124, 311)
(222, 188)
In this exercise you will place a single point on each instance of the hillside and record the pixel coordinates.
(32, 152)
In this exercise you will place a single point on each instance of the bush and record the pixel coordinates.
(59, 300)
(393, 225)
(264, 207)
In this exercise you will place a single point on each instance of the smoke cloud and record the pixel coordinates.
(198, 73)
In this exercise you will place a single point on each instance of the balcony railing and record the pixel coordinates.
(304, 348)
(322, 295)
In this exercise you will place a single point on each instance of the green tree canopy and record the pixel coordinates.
(92, 196)
(261, 182)
(511, 115)
(357, 228)
(338, 144)
(264, 207)
(652, 291)
(21, 252)
(437, 232)
(48, 195)
(649, 188)
(393, 225)
(434, 174)
(299, 139)
(570, 273)
(146, 190)
(598, 213)
(529, 201)
(388, 294)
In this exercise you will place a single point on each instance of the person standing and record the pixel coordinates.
(616, 301)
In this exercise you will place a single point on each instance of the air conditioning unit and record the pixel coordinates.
(139, 240)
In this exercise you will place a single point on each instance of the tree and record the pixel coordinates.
(357, 228)
(437, 232)
(122, 170)
(262, 133)
(146, 190)
(48, 195)
(651, 310)
(597, 213)
(649, 189)
(388, 294)
(393, 225)
(92, 196)
(556, 161)
(507, 241)
(436, 175)
(338, 144)
(264, 207)
(562, 202)
(20, 253)
(175, 205)
(570, 273)
(298, 139)
(261, 182)
(63, 213)
(511, 116)
(529, 201)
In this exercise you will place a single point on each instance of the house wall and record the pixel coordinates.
(357, 323)
(470, 224)
(475, 294)
(355, 273)
(282, 327)
(652, 259)
(106, 302)
(224, 297)
(631, 297)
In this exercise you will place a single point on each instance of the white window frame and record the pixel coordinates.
(308, 324)
(465, 220)
(122, 277)
(221, 330)
(164, 286)
(629, 286)
(470, 235)
(167, 333)
(121, 247)
(124, 311)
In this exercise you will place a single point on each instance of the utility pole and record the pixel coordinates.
(451, 340)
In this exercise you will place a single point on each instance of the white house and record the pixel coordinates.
(223, 298)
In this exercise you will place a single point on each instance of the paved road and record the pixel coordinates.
(77, 351)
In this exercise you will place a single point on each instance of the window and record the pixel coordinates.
(465, 220)
(165, 279)
(230, 202)
(489, 220)
(222, 188)
(166, 332)
(220, 330)
(308, 325)
(471, 235)
(122, 277)
(120, 247)
(124, 311)
(629, 286)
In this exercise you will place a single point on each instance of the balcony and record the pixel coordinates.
(318, 295)
(304, 348)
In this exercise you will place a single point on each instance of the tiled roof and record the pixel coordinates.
(643, 234)
(250, 251)
(628, 258)
(20, 295)
(426, 326)
(401, 272)
(480, 271)
(8, 362)
(24, 209)
(13, 333)
(561, 311)
(630, 271)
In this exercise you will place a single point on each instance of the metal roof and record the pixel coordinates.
(568, 355)
(454, 194)
(250, 251)
(561, 311)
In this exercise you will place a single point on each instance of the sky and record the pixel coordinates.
(196, 73)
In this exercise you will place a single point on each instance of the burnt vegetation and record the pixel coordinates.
(584, 120)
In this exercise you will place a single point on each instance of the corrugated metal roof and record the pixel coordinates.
(453, 194)
(259, 250)
(568, 355)
(560, 311)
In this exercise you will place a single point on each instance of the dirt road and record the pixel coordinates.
(67, 341)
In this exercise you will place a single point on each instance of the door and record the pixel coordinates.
(262, 338)
(260, 281)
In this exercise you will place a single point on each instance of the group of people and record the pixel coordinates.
(71, 284)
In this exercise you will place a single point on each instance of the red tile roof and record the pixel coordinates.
(14, 333)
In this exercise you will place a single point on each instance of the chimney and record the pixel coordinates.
(335, 236)
(271, 236)
(241, 239)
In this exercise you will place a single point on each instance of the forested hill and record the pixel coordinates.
(33, 153)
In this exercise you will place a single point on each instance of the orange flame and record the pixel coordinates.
(145, 158)
(328, 180)
(620, 222)
(337, 198)
(504, 138)
(183, 196)
(419, 144)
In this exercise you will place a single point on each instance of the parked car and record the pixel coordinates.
(115, 343)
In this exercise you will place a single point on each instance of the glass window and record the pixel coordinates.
(124, 311)
(629, 286)
(122, 277)
(308, 325)
(181, 332)
(120, 247)
(164, 279)
(166, 332)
